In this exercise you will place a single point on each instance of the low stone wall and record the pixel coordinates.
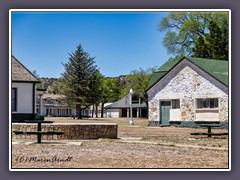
(71, 130)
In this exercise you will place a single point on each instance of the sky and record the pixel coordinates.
(119, 41)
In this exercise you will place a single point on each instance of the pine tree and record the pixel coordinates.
(201, 49)
(96, 89)
(217, 43)
(78, 74)
(225, 41)
(213, 45)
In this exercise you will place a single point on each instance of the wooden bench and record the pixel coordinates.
(39, 131)
(209, 134)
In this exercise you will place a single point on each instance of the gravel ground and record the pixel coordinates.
(139, 146)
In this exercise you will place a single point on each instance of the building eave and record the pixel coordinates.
(169, 71)
(18, 81)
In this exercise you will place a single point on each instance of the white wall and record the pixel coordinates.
(175, 115)
(112, 113)
(55, 110)
(207, 115)
(24, 97)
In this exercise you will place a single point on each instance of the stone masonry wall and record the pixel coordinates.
(72, 130)
(187, 82)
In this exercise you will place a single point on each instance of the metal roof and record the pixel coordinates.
(215, 68)
(124, 103)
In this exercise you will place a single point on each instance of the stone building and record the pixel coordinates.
(190, 91)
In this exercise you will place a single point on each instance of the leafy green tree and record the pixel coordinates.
(79, 71)
(58, 86)
(138, 81)
(111, 92)
(176, 58)
(184, 28)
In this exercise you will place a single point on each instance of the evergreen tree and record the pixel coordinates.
(225, 41)
(214, 45)
(95, 86)
(201, 49)
(217, 42)
(79, 71)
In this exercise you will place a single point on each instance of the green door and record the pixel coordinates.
(165, 112)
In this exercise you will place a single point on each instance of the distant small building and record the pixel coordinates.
(54, 105)
(23, 92)
(193, 90)
(121, 108)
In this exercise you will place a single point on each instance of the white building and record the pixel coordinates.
(54, 105)
(23, 92)
(121, 108)
(190, 91)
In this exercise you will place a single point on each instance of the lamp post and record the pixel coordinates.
(130, 103)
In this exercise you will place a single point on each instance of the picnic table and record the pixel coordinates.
(209, 133)
(39, 131)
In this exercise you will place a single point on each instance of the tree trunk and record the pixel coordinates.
(92, 110)
(96, 111)
(80, 112)
(77, 111)
(102, 110)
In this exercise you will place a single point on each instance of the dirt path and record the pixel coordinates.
(137, 147)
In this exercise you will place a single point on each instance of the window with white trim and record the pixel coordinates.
(14, 99)
(207, 103)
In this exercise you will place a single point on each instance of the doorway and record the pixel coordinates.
(165, 107)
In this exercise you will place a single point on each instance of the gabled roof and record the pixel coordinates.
(53, 96)
(160, 72)
(124, 103)
(21, 73)
(218, 69)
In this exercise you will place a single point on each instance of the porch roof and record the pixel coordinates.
(124, 103)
